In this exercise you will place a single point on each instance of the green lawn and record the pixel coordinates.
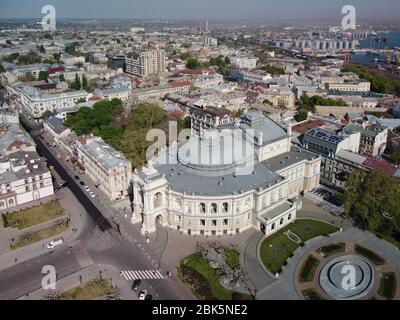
(232, 257)
(387, 287)
(312, 294)
(33, 216)
(196, 272)
(332, 249)
(308, 269)
(33, 237)
(277, 248)
(88, 291)
(375, 258)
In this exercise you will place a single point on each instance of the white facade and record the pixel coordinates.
(106, 167)
(36, 103)
(24, 178)
(202, 199)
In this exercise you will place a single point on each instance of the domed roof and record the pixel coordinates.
(217, 151)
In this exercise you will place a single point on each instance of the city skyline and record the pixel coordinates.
(313, 10)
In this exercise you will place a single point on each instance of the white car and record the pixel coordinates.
(142, 294)
(87, 188)
(55, 243)
(92, 194)
(58, 156)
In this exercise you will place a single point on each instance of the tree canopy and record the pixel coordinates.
(369, 197)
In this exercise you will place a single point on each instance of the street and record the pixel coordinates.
(26, 277)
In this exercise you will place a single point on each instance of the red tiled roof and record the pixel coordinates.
(53, 70)
(375, 163)
(177, 84)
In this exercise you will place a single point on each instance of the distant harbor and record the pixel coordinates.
(386, 40)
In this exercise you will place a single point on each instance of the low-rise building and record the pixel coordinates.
(24, 179)
(36, 103)
(373, 138)
(106, 167)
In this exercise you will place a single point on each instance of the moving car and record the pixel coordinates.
(136, 284)
(55, 243)
(76, 177)
(142, 294)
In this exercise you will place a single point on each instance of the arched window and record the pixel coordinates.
(202, 207)
(157, 200)
(1, 204)
(247, 203)
(281, 221)
(11, 202)
(214, 208)
(225, 207)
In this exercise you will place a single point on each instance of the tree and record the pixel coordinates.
(193, 63)
(2, 68)
(186, 45)
(11, 57)
(61, 77)
(43, 76)
(146, 115)
(301, 116)
(85, 84)
(370, 195)
(46, 114)
(76, 85)
(30, 58)
(9, 42)
(42, 49)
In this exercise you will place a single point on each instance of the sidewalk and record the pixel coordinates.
(78, 219)
(107, 272)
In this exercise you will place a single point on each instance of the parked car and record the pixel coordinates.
(59, 156)
(63, 183)
(55, 243)
(76, 177)
(136, 284)
(148, 297)
(81, 183)
(92, 194)
(87, 188)
(142, 294)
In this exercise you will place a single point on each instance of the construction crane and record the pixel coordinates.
(388, 55)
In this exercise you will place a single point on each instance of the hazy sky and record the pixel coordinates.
(212, 9)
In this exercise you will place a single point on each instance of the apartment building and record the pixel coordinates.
(106, 167)
(144, 63)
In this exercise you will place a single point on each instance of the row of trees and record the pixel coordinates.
(380, 81)
(125, 133)
(372, 200)
(309, 103)
(79, 84)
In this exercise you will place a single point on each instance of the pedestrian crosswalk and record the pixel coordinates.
(142, 274)
(83, 258)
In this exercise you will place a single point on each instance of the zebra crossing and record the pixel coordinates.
(142, 274)
(83, 259)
